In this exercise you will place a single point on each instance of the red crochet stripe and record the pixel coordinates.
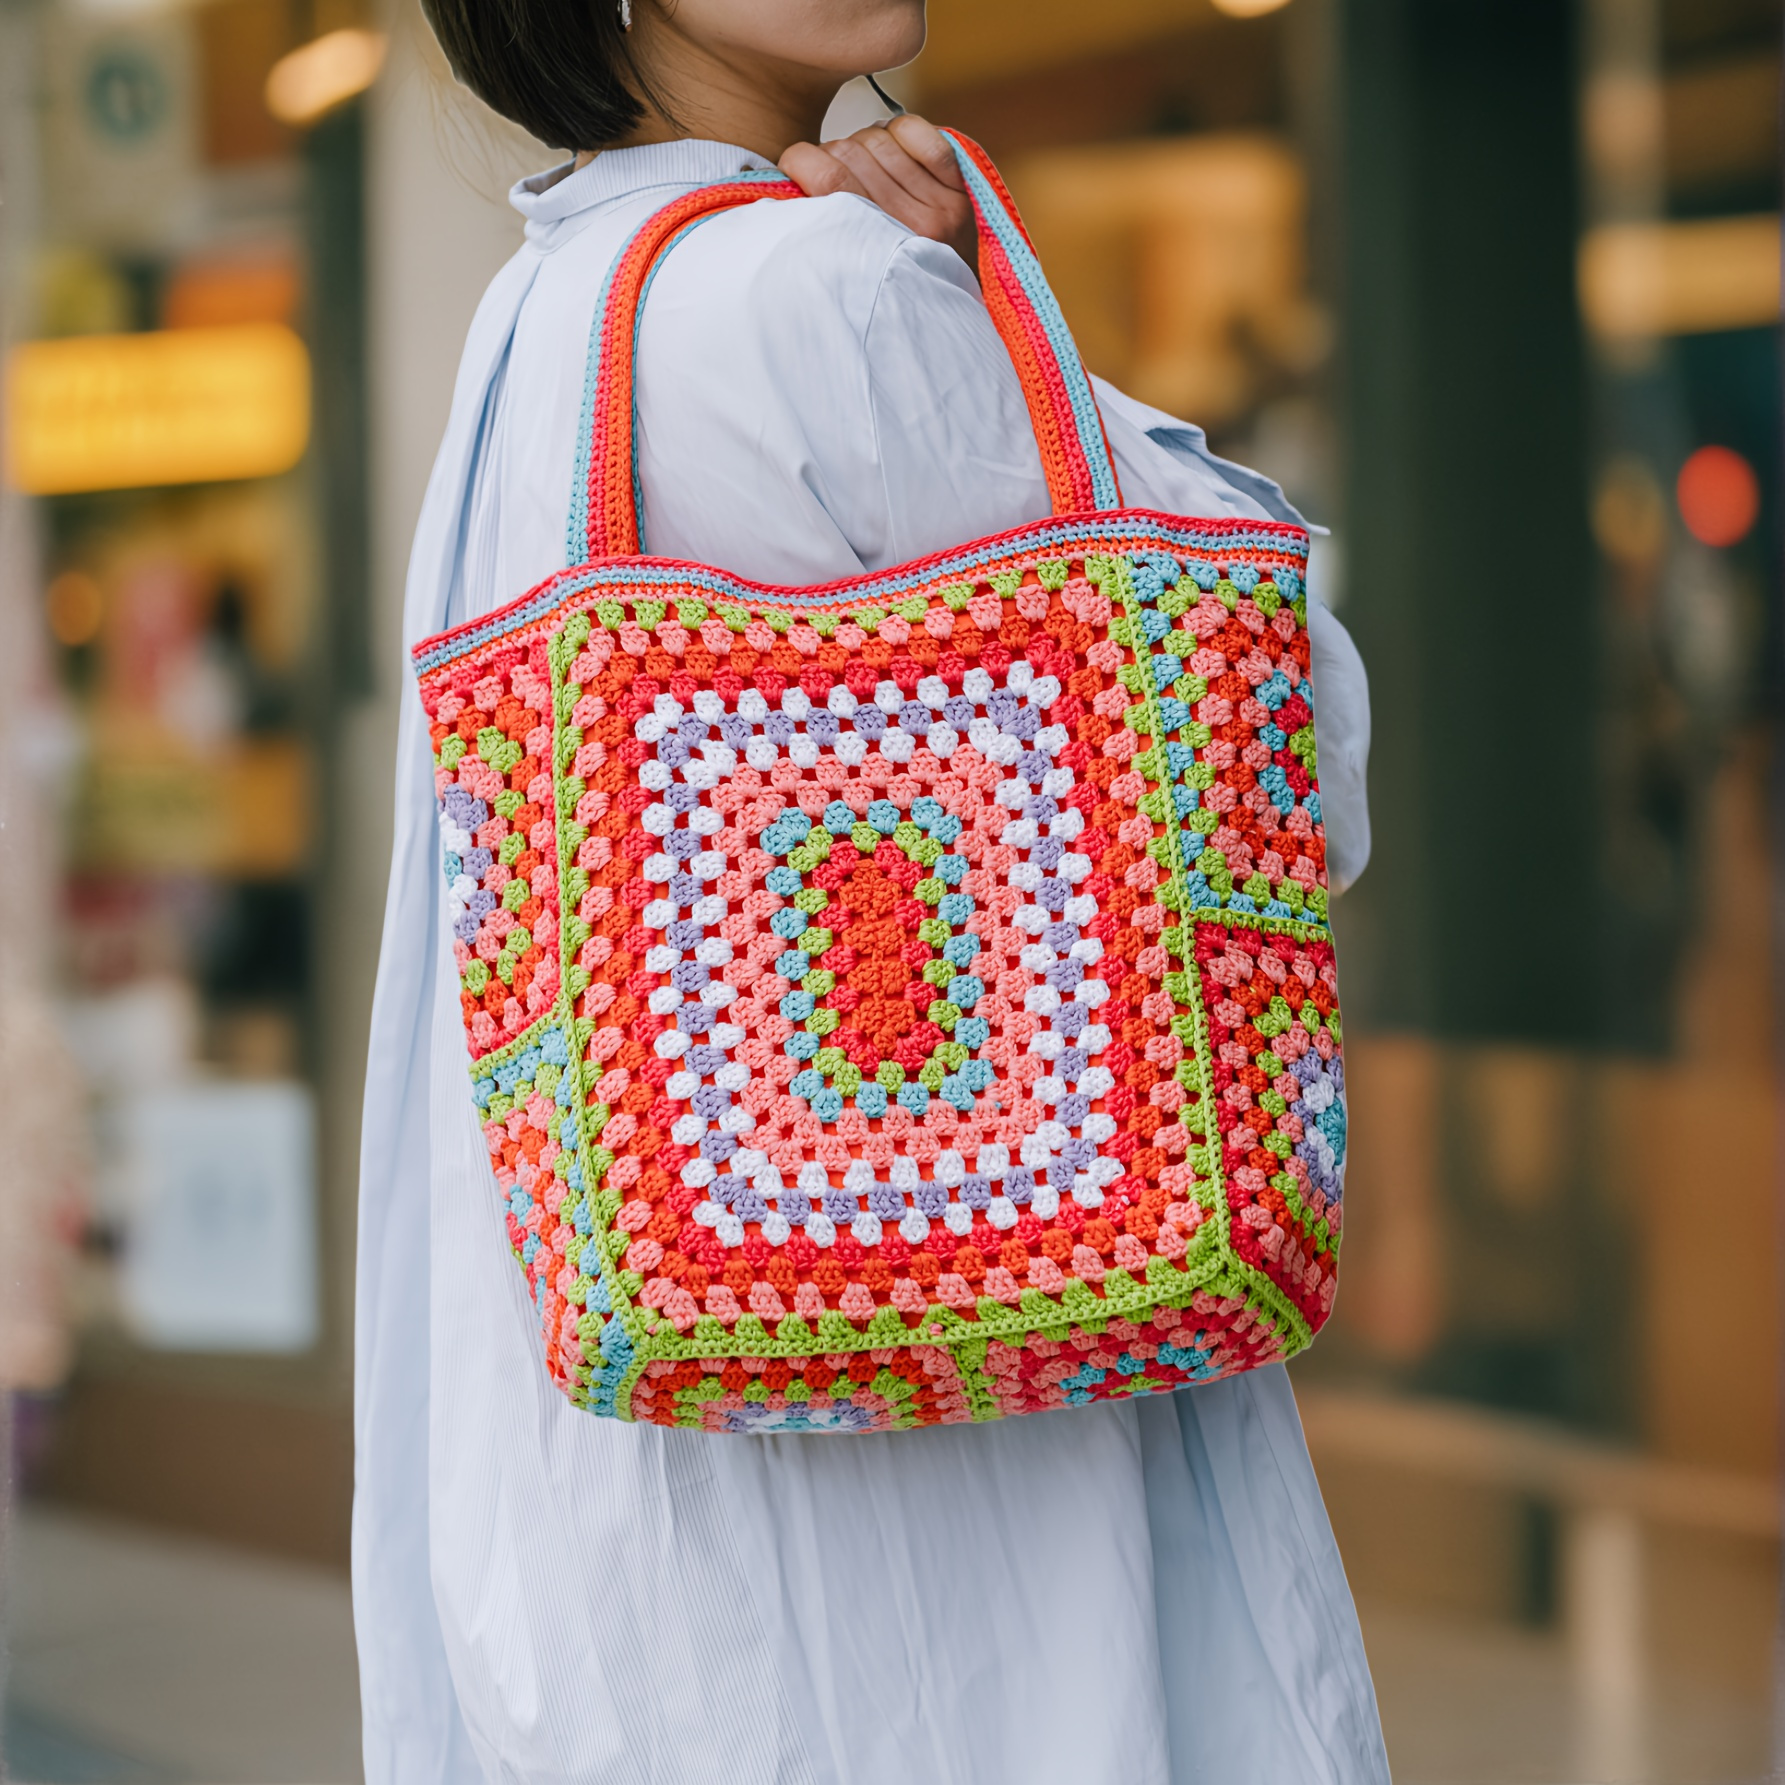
(613, 523)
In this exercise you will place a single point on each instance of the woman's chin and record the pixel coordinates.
(890, 37)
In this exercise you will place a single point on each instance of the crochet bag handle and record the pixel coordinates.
(1081, 474)
(1075, 454)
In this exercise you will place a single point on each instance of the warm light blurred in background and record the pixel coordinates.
(1491, 287)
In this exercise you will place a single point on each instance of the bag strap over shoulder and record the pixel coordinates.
(1081, 474)
(604, 505)
(606, 502)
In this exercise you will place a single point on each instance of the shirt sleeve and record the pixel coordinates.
(1342, 735)
(411, 1727)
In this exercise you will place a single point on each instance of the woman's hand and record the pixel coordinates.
(906, 168)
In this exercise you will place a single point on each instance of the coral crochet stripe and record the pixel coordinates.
(907, 1001)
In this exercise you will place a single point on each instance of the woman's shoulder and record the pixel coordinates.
(800, 270)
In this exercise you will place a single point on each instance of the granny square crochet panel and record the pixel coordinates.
(906, 1001)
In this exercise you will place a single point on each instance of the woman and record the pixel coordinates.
(1146, 1592)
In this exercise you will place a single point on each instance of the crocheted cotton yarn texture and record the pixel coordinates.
(910, 1000)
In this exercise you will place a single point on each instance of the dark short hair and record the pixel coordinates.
(561, 69)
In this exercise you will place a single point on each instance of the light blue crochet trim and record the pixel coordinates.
(576, 541)
(1105, 493)
(1204, 549)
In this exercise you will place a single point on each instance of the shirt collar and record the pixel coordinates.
(551, 199)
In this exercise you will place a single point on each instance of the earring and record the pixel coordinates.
(625, 15)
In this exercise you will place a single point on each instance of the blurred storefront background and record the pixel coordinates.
(1491, 289)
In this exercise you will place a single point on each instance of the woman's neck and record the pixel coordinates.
(721, 93)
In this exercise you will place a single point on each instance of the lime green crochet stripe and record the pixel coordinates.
(602, 1204)
(1117, 582)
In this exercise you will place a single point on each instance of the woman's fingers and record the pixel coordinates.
(906, 168)
(817, 172)
(924, 143)
(902, 171)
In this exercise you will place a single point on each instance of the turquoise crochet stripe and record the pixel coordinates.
(1047, 309)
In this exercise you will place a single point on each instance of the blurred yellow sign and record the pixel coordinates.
(1641, 280)
(246, 812)
(323, 73)
(197, 405)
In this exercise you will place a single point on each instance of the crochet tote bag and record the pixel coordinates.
(909, 1000)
